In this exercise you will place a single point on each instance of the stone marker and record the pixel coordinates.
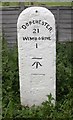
(37, 55)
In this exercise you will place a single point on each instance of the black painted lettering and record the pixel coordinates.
(47, 26)
(25, 38)
(45, 23)
(42, 22)
(24, 26)
(50, 29)
(31, 38)
(36, 21)
(33, 22)
(27, 24)
(39, 21)
(30, 22)
(35, 30)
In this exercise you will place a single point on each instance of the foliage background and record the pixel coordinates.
(10, 82)
(11, 95)
(48, 3)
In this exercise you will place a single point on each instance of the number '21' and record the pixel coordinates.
(35, 30)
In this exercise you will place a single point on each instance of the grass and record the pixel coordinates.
(54, 3)
(0, 54)
(37, 3)
(0, 100)
(11, 95)
(0, 78)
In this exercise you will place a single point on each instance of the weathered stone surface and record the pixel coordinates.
(37, 55)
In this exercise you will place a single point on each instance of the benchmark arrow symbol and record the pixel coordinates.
(37, 64)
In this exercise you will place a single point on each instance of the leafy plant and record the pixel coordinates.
(11, 95)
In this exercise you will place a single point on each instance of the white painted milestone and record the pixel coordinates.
(37, 55)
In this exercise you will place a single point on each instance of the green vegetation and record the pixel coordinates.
(55, 3)
(0, 99)
(0, 54)
(0, 75)
(10, 3)
(38, 3)
(11, 99)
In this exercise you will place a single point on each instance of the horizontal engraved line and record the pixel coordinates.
(38, 74)
(36, 58)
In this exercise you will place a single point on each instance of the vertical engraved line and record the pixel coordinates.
(36, 45)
